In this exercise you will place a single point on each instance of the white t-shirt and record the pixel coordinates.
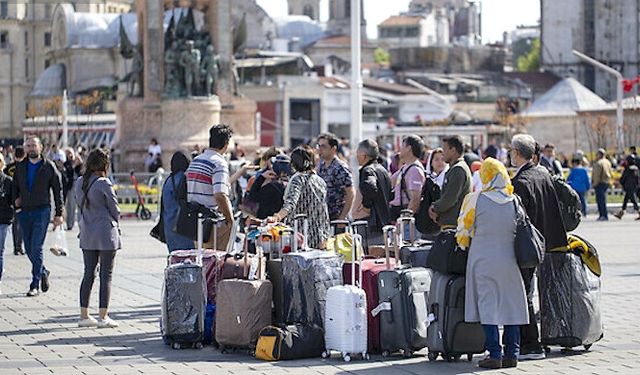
(155, 150)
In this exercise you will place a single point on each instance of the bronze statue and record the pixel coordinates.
(210, 70)
(135, 77)
(172, 81)
(190, 61)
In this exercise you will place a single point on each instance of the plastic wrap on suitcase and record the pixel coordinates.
(183, 304)
(570, 302)
(306, 277)
(211, 265)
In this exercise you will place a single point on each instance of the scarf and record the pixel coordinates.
(496, 185)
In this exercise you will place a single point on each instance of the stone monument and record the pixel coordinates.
(186, 82)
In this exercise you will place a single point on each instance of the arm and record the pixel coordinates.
(453, 190)
(15, 191)
(254, 192)
(292, 194)
(111, 201)
(349, 194)
(56, 187)
(414, 200)
(368, 187)
(224, 205)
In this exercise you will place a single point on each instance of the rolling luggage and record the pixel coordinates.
(570, 292)
(413, 252)
(286, 342)
(448, 334)
(183, 301)
(212, 261)
(402, 298)
(274, 271)
(243, 308)
(345, 328)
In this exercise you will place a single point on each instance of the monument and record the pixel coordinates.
(185, 82)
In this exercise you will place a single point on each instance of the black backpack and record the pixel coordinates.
(430, 194)
(569, 202)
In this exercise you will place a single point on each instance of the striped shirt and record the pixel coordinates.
(207, 175)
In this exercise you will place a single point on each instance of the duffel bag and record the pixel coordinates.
(284, 342)
(446, 256)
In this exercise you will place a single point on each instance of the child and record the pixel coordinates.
(629, 182)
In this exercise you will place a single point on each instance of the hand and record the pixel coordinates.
(433, 214)
(57, 221)
(18, 202)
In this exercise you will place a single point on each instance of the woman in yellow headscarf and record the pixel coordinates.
(495, 293)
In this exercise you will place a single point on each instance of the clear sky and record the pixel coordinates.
(497, 15)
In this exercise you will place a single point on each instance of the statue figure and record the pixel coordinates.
(190, 61)
(210, 70)
(171, 86)
(135, 76)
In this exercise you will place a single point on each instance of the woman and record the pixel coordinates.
(495, 293)
(306, 193)
(171, 205)
(436, 166)
(6, 211)
(99, 235)
(267, 190)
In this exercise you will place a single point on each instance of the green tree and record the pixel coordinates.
(381, 56)
(531, 61)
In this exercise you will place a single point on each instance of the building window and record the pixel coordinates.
(26, 68)
(26, 39)
(4, 39)
(46, 63)
(4, 9)
(47, 11)
(47, 39)
(308, 11)
(347, 9)
(412, 32)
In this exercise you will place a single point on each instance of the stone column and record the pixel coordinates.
(220, 26)
(153, 42)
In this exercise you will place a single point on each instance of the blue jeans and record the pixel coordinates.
(601, 199)
(510, 340)
(4, 230)
(583, 202)
(34, 225)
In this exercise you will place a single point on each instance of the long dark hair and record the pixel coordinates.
(97, 161)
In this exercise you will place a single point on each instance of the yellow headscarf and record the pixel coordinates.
(496, 185)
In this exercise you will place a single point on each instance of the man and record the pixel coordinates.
(337, 176)
(374, 191)
(72, 170)
(408, 180)
(601, 179)
(549, 161)
(16, 233)
(457, 184)
(34, 179)
(208, 182)
(55, 154)
(534, 187)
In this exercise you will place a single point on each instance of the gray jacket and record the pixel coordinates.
(99, 222)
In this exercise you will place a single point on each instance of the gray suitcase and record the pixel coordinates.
(403, 297)
(448, 334)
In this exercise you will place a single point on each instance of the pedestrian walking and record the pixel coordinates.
(374, 191)
(208, 183)
(337, 176)
(533, 185)
(171, 203)
(306, 193)
(629, 182)
(408, 180)
(494, 291)
(578, 179)
(6, 212)
(99, 235)
(16, 232)
(457, 184)
(549, 161)
(601, 180)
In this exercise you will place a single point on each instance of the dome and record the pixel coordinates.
(51, 82)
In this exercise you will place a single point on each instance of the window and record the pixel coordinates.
(47, 11)
(308, 11)
(46, 63)
(4, 39)
(47, 39)
(4, 9)
(26, 68)
(26, 39)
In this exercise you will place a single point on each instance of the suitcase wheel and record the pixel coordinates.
(587, 347)
(469, 357)
(547, 349)
(453, 357)
(366, 356)
(432, 356)
(325, 355)
(198, 345)
(407, 353)
(386, 353)
(176, 346)
(346, 357)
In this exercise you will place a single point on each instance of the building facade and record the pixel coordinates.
(408, 31)
(339, 22)
(309, 8)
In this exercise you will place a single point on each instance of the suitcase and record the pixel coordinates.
(402, 308)
(416, 255)
(183, 301)
(570, 297)
(243, 308)
(274, 272)
(448, 334)
(345, 327)
(406, 228)
(212, 261)
(297, 341)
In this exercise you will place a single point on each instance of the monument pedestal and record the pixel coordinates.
(240, 113)
(177, 124)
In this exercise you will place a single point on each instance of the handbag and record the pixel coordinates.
(187, 222)
(157, 231)
(430, 194)
(529, 244)
(446, 256)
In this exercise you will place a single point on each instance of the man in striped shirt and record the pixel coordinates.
(208, 182)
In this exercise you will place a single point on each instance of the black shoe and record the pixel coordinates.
(531, 354)
(509, 362)
(22, 252)
(490, 363)
(44, 281)
(32, 293)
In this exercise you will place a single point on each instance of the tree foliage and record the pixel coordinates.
(531, 61)
(381, 56)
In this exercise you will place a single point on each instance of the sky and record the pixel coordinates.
(497, 15)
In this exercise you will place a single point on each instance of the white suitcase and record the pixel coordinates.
(346, 317)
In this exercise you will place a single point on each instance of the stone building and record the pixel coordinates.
(407, 31)
(25, 40)
(604, 29)
(339, 22)
(309, 8)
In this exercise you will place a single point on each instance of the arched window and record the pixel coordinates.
(308, 11)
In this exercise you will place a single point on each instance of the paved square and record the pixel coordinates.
(40, 335)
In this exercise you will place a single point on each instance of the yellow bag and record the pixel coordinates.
(343, 244)
(586, 250)
(269, 344)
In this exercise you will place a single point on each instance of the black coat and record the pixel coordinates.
(6, 199)
(375, 187)
(47, 179)
(269, 197)
(534, 186)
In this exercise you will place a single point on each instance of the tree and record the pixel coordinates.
(381, 56)
(531, 61)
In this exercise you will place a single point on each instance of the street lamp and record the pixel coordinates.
(619, 113)
(356, 82)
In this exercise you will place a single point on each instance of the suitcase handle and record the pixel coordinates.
(357, 240)
(388, 231)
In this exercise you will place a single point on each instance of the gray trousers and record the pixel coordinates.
(70, 208)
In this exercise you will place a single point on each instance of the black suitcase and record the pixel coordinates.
(416, 255)
(403, 296)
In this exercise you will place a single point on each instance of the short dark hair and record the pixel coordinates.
(219, 136)
(550, 146)
(330, 138)
(416, 143)
(455, 142)
(19, 152)
(303, 158)
(370, 148)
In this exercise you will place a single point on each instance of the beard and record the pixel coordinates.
(33, 155)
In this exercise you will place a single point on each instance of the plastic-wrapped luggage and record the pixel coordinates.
(570, 313)
(448, 334)
(345, 328)
(211, 265)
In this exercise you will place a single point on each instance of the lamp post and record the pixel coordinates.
(356, 82)
(619, 112)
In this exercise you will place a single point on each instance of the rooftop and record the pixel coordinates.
(401, 20)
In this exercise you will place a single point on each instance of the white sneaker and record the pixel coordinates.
(89, 322)
(107, 323)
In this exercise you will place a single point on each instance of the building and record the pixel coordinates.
(339, 22)
(309, 8)
(520, 40)
(421, 30)
(25, 40)
(463, 18)
(604, 29)
(336, 51)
